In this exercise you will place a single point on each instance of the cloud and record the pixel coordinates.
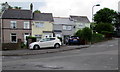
(1, 1)
(64, 8)
(76, 7)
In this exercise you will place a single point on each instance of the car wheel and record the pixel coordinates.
(36, 47)
(57, 46)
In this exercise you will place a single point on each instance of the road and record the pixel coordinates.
(99, 56)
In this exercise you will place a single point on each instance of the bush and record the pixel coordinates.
(97, 37)
(85, 34)
(107, 34)
(78, 33)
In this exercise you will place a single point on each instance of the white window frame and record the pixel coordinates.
(39, 24)
(12, 24)
(27, 25)
(11, 37)
(67, 27)
(64, 27)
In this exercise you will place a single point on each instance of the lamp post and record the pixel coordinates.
(92, 10)
(93, 20)
(1, 22)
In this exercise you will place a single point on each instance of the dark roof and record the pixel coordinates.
(17, 14)
(80, 19)
(43, 17)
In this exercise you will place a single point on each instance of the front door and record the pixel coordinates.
(25, 36)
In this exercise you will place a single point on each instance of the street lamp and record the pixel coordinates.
(92, 10)
(1, 22)
(92, 19)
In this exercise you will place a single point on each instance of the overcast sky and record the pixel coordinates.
(64, 8)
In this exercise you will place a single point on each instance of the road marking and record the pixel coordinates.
(111, 45)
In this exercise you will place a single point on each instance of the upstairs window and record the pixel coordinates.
(39, 24)
(26, 25)
(13, 24)
(65, 27)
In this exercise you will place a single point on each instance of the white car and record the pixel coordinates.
(46, 42)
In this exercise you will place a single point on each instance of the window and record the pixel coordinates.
(67, 27)
(81, 24)
(39, 24)
(13, 38)
(52, 39)
(13, 24)
(64, 27)
(26, 25)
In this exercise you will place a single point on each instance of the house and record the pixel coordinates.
(63, 27)
(80, 22)
(42, 26)
(16, 24)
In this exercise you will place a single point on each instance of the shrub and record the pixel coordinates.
(97, 37)
(107, 34)
(87, 34)
(78, 33)
(84, 34)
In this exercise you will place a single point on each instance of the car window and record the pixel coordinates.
(52, 39)
(45, 39)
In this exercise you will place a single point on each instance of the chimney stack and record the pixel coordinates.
(31, 7)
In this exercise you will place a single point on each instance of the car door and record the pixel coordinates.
(52, 41)
(45, 43)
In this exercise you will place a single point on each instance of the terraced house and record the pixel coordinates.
(16, 24)
(63, 27)
(42, 26)
(80, 22)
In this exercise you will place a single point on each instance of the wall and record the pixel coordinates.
(19, 30)
(48, 26)
(81, 27)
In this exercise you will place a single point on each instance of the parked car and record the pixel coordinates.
(74, 40)
(46, 42)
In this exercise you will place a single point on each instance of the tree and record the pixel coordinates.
(16, 7)
(104, 27)
(117, 21)
(37, 11)
(104, 15)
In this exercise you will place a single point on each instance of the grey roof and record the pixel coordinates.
(63, 20)
(43, 17)
(83, 19)
(17, 14)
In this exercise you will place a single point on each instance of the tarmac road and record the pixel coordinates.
(100, 56)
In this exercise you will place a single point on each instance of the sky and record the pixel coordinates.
(64, 8)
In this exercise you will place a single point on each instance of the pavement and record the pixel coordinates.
(41, 51)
